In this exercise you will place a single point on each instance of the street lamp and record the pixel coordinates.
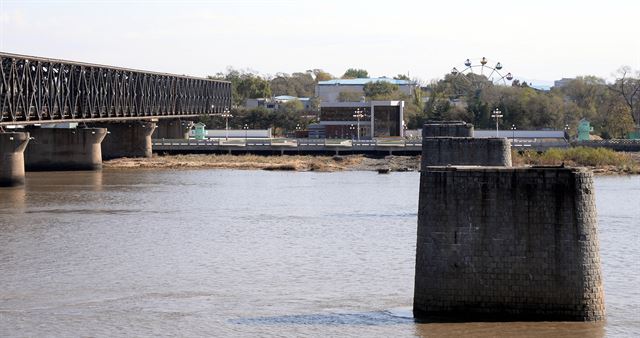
(496, 115)
(351, 128)
(298, 129)
(358, 115)
(246, 131)
(226, 114)
(566, 131)
(513, 133)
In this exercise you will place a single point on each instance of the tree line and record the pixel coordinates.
(612, 108)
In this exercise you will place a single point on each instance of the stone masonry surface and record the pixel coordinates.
(508, 244)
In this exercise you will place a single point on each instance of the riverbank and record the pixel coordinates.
(255, 162)
(602, 162)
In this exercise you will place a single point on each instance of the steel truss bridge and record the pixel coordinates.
(36, 90)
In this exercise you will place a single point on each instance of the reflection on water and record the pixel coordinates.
(518, 329)
(12, 199)
(250, 253)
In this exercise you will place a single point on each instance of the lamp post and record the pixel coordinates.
(566, 131)
(298, 129)
(496, 115)
(358, 115)
(226, 114)
(513, 133)
(351, 129)
(246, 131)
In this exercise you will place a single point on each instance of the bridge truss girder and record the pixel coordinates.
(39, 90)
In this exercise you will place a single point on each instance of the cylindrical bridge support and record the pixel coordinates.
(127, 139)
(65, 149)
(12, 147)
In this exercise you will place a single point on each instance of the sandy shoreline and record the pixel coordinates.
(254, 162)
(301, 163)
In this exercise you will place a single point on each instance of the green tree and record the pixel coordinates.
(321, 75)
(401, 77)
(349, 97)
(379, 89)
(244, 85)
(292, 106)
(296, 84)
(619, 121)
(354, 73)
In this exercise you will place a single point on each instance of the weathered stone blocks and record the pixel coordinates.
(507, 244)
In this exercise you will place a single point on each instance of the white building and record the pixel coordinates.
(329, 91)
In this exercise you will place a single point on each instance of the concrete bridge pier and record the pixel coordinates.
(128, 139)
(65, 149)
(172, 129)
(12, 146)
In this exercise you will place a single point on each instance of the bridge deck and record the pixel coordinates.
(40, 90)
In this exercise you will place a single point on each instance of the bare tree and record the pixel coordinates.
(628, 87)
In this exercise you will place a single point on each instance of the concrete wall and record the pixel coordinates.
(12, 146)
(508, 244)
(65, 149)
(438, 151)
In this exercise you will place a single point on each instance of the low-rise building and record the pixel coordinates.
(377, 119)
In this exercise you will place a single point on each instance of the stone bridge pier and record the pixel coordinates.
(12, 146)
(64, 149)
(127, 139)
(498, 243)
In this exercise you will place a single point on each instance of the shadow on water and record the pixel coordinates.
(375, 318)
(435, 328)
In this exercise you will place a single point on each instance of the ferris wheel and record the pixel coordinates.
(495, 73)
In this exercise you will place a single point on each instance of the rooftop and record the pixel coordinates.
(363, 81)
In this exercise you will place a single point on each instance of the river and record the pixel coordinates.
(251, 253)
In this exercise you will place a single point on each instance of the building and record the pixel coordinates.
(329, 91)
(378, 119)
(273, 103)
(562, 82)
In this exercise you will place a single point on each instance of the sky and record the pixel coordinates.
(537, 41)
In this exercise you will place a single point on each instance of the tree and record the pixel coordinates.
(291, 106)
(628, 88)
(379, 89)
(349, 97)
(353, 73)
(244, 85)
(619, 121)
(296, 84)
(401, 77)
(321, 75)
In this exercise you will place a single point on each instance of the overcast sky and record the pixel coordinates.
(537, 40)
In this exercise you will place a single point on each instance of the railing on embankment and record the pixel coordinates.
(617, 145)
(290, 146)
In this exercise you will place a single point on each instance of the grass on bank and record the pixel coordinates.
(286, 162)
(580, 156)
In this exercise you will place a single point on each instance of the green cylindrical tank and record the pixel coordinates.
(199, 132)
(584, 130)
